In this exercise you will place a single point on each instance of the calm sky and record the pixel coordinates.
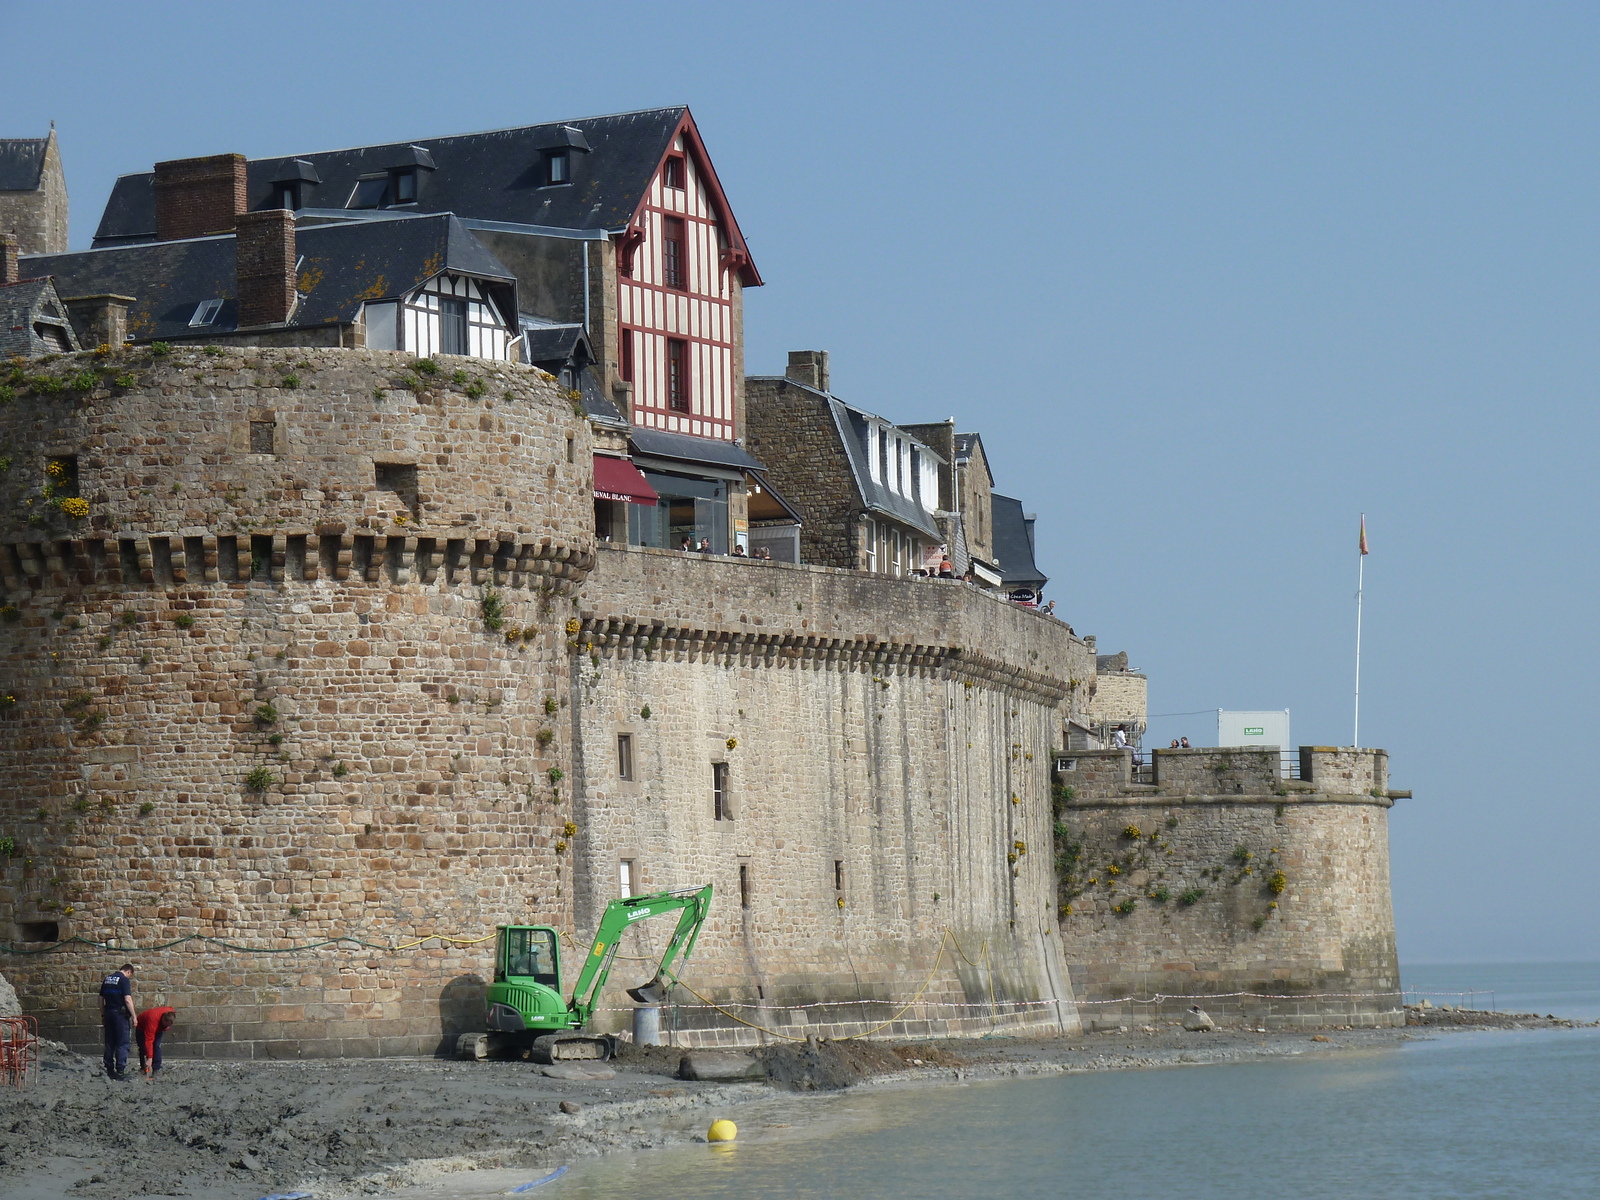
(1210, 279)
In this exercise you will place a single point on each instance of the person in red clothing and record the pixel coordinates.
(152, 1023)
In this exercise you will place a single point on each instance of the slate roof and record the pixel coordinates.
(1013, 547)
(658, 443)
(24, 304)
(556, 343)
(342, 266)
(494, 176)
(21, 163)
(852, 423)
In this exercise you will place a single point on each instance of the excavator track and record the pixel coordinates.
(573, 1047)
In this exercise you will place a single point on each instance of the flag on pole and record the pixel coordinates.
(1363, 533)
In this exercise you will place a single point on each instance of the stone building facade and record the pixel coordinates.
(33, 193)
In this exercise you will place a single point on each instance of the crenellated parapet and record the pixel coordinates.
(1250, 880)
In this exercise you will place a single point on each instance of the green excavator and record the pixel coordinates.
(525, 1013)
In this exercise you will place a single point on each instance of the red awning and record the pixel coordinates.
(619, 479)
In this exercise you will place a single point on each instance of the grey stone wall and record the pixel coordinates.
(1267, 898)
(898, 729)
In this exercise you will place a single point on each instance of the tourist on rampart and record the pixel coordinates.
(117, 1015)
(152, 1023)
(947, 569)
(1183, 744)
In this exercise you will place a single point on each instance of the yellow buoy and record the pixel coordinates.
(722, 1131)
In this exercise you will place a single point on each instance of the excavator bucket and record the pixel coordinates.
(653, 992)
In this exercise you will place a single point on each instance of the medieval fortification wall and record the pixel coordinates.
(1264, 897)
(257, 700)
(326, 662)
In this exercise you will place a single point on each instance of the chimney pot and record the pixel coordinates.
(199, 196)
(264, 258)
(809, 367)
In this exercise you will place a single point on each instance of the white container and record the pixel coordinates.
(1254, 728)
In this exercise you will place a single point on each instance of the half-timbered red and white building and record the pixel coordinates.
(630, 268)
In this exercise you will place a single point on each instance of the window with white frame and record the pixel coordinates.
(452, 314)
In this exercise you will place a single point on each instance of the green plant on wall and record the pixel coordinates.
(493, 609)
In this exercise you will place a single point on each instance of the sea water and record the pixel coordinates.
(1479, 1113)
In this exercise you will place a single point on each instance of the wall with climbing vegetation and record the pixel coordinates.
(1267, 897)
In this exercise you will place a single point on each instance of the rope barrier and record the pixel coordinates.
(342, 939)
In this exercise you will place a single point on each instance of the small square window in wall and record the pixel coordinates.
(262, 437)
(399, 478)
(744, 885)
(625, 877)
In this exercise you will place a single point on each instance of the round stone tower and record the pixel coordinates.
(282, 652)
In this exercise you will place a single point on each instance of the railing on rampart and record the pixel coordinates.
(1226, 770)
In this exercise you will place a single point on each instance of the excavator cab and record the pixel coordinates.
(528, 952)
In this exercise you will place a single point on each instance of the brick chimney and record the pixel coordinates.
(199, 196)
(809, 367)
(264, 258)
(9, 272)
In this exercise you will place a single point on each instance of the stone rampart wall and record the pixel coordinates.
(887, 747)
(1223, 878)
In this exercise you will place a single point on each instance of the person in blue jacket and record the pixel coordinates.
(117, 1016)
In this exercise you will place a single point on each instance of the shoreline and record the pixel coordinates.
(341, 1128)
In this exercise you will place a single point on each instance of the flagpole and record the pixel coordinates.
(1361, 568)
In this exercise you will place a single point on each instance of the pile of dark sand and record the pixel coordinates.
(826, 1066)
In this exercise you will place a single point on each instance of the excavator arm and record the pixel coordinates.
(691, 905)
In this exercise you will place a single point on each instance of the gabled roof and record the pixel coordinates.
(494, 176)
(966, 443)
(24, 304)
(22, 163)
(556, 343)
(1013, 548)
(341, 268)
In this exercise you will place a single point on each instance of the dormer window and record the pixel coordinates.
(206, 313)
(672, 172)
(405, 186)
(557, 166)
(371, 191)
(290, 182)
